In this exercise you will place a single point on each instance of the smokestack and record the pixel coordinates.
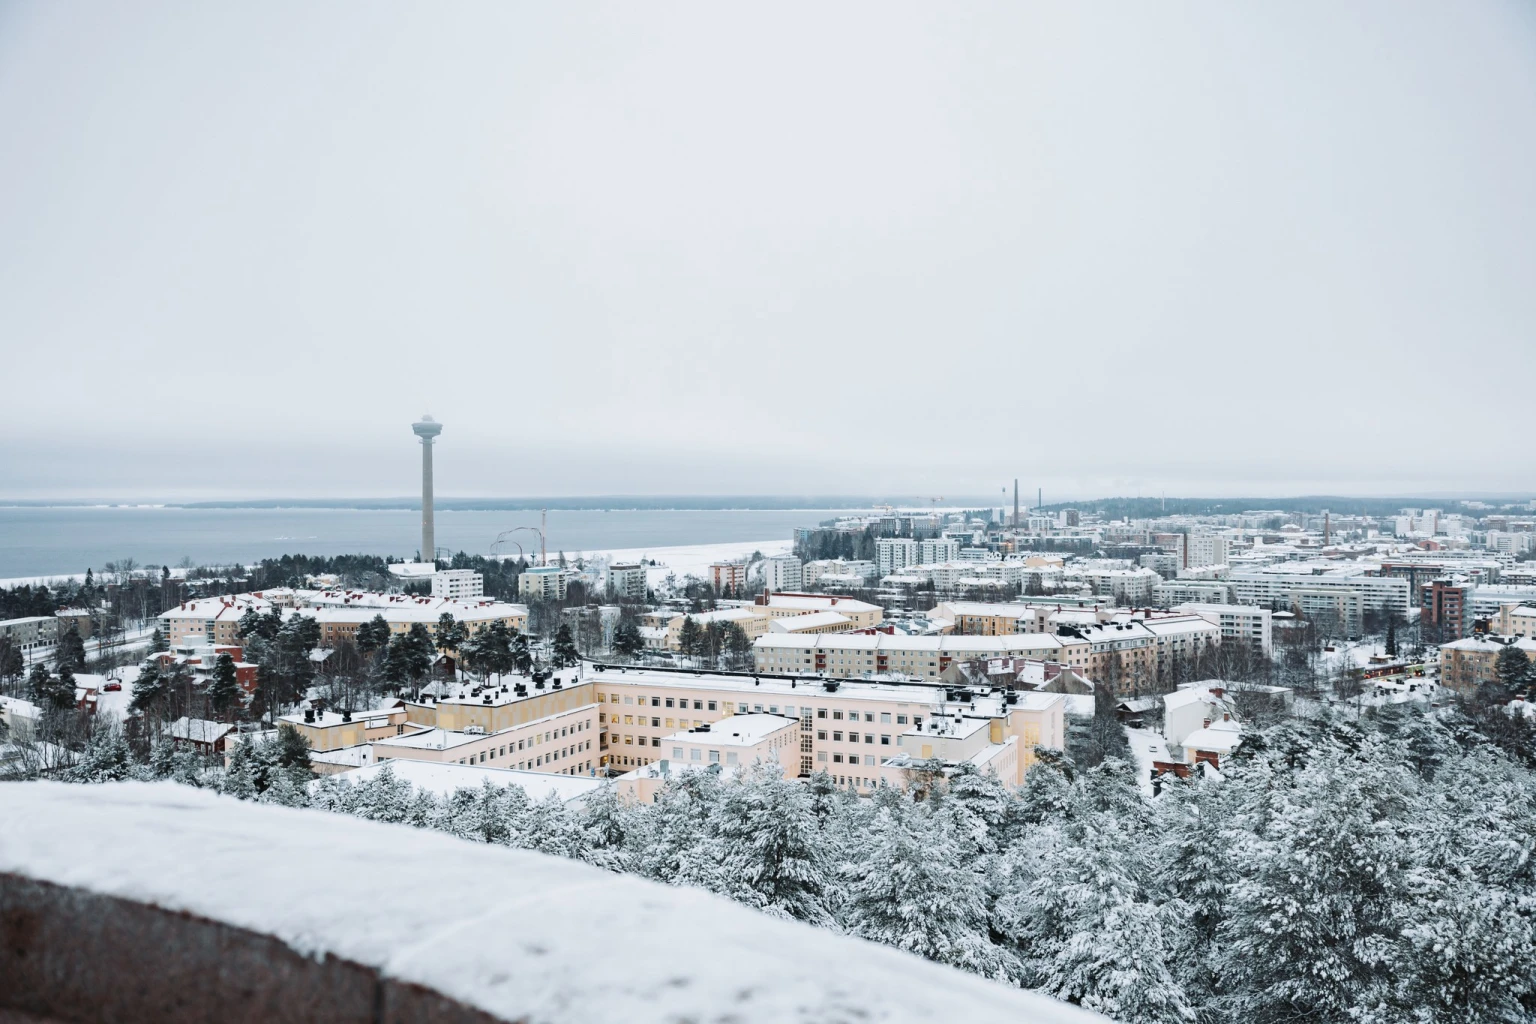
(1015, 503)
(427, 429)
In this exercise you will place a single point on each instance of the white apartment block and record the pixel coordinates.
(1345, 591)
(783, 573)
(458, 584)
(811, 572)
(892, 554)
(1186, 591)
(941, 549)
(1238, 623)
(1209, 549)
(544, 583)
(626, 580)
(1130, 585)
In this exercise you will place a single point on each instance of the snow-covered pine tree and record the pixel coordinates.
(770, 843)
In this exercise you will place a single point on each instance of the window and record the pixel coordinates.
(853, 737)
(821, 755)
(669, 723)
(695, 754)
(901, 719)
(714, 757)
(655, 741)
(757, 709)
(821, 712)
(655, 702)
(677, 753)
(869, 716)
(885, 717)
(837, 736)
(629, 700)
(669, 702)
(869, 737)
(885, 740)
(837, 715)
(837, 758)
(869, 760)
(655, 723)
(821, 734)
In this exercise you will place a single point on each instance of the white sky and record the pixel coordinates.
(1218, 248)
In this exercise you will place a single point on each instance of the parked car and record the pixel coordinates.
(112, 685)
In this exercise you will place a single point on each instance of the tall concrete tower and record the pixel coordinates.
(427, 429)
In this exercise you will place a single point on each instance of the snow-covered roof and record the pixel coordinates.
(516, 951)
(813, 620)
(737, 730)
(198, 730)
(1218, 737)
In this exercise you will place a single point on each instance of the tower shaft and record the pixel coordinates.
(428, 540)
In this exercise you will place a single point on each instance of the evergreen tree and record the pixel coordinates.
(292, 748)
(223, 687)
(40, 684)
(158, 642)
(627, 640)
(522, 656)
(904, 892)
(70, 652)
(1512, 671)
(771, 846)
(149, 689)
(1391, 645)
(565, 654)
(106, 758)
(688, 636)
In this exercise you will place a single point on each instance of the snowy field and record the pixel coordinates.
(688, 560)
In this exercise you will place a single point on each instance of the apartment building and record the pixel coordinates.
(339, 623)
(938, 549)
(811, 572)
(847, 728)
(777, 606)
(893, 554)
(458, 584)
(748, 618)
(1344, 591)
(1132, 586)
(728, 575)
(1208, 549)
(1468, 663)
(562, 743)
(1516, 620)
(860, 655)
(213, 620)
(1243, 623)
(626, 581)
(544, 583)
(1444, 607)
(1191, 591)
(782, 573)
(31, 633)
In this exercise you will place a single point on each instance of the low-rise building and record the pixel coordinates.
(31, 633)
(863, 614)
(1468, 663)
(738, 740)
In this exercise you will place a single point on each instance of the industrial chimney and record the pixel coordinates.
(427, 429)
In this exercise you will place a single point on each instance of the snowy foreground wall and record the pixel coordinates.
(155, 902)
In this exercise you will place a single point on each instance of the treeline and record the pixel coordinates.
(1339, 871)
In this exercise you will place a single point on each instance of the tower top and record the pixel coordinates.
(427, 428)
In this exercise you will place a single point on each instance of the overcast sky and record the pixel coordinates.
(1214, 249)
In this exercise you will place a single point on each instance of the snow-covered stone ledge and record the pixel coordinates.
(152, 901)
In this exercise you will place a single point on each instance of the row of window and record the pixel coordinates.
(538, 761)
